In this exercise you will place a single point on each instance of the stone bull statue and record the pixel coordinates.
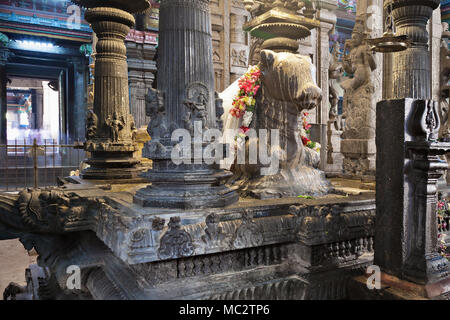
(288, 88)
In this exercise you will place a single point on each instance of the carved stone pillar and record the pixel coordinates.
(435, 27)
(360, 98)
(327, 19)
(408, 166)
(39, 108)
(111, 128)
(411, 69)
(141, 67)
(4, 54)
(185, 99)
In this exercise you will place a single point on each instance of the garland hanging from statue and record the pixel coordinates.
(305, 130)
(245, 101)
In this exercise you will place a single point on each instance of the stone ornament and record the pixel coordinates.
(197, 98)
(248, 234)
(219, 111)
(359, 107)
(444, 87)
(214, 234)
(141, 238)
(176, 242)
(425, 122)
(335, 72)
(115, 124)
(239, 58)
(91, 125)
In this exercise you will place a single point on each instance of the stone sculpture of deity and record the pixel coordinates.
(335, 72)
(359, 107)
(116, 124)
(359, 62)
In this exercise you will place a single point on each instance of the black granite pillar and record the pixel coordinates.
(408, 165)
(407, 173)
(185, 99)
(411, 69)
(185, 55)
(80, 98)
(111, 127)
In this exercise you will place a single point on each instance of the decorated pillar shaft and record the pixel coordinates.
(3, 97)
(185, 99)
(110, 128)
(4, 55)
(111, 69)
(185, 55)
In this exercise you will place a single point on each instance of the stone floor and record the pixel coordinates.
(14, 259)
(353, 186)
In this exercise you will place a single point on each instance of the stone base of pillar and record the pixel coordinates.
(185, 186)
(110, 173)
(189, 187)
(393, 288)
(359, 157)
(114, 164)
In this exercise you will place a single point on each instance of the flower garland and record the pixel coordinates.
(244, 107)
(443, 209)
(244, 102)
(305, 129)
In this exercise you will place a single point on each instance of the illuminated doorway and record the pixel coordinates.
(33, 111)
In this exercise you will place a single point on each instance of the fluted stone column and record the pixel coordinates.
(185, 99)
(358, 138)
(185, 54)
(4, 54)
(111, 127)
(411, 69)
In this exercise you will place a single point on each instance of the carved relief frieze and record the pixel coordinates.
(176, 242)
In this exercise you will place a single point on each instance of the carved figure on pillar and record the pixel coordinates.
(335, 72)
(116, 124)
(335, 122)
(112, 145)
(358, 144)
(186, 76)
(359, 61)
(91, 125)
(197, 102)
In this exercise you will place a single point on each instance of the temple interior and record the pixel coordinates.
(224, 150)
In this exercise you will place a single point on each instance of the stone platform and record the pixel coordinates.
(289, 248)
